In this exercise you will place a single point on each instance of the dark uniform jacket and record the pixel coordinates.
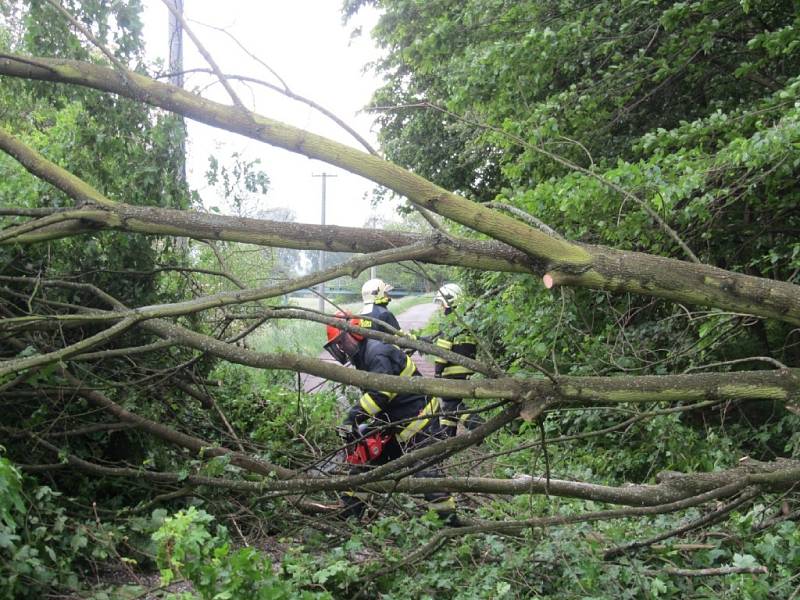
(462, 343)
(390, 407)
(457, 341)
(379, 311)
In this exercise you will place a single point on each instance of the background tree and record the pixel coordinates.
(610, 122)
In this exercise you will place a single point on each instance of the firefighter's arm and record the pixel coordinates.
(439, 362)
(392, 320)
(374, 401)
(465, 346)
(448, 370)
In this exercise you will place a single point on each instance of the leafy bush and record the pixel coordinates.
(41, 548)
(187, 550)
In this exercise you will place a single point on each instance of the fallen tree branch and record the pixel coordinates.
(710, 572)
(696, 524)
(564, 263)
(515, 527)
(642, 500)
(15, 365)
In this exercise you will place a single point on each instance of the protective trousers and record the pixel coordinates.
(442, 502)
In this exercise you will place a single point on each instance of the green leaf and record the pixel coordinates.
(658, 587)
(744, 561)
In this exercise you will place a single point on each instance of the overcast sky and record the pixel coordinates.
(305, 42)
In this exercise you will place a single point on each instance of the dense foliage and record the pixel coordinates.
(135, 154)
(584, 113)
(593, 117)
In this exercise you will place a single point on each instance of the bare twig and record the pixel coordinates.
(527, 217)
(206, 54)
(766, 359)
(710, 572)
(705, 520)
(565, 162)
(88, 35)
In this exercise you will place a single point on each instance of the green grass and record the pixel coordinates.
(284, 335)
(307, 338)
(403, 304)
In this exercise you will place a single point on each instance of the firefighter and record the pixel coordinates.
(375, 294)
(385, 425)
(454, 338)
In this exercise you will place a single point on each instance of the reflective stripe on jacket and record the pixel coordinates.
(464, 345)
(461, 344)
(391, 407)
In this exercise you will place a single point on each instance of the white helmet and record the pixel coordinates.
(376, 291)
(448, 295)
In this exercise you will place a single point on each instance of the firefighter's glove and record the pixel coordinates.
(345, 433)
(356, 432)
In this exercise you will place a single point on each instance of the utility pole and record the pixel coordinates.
(175, 45)
(175, 40)
(372, 223)
(321, 286)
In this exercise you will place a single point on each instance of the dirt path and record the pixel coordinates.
(415, 317)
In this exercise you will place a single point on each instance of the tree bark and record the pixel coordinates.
(564, 263)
